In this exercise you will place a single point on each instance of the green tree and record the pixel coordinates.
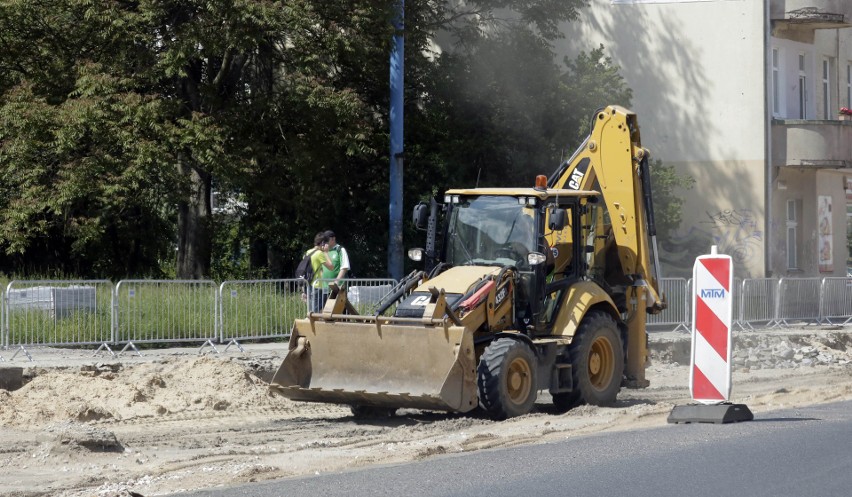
(118, 120)
(117, 117)
(667, 185)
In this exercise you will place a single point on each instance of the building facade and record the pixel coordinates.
(744, 96)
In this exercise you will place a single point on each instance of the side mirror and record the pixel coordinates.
(536, 258)
(557, 219)
(421, 216)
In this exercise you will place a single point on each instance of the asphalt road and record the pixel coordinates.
(783, 453)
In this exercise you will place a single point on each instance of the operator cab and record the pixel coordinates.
(530, 231)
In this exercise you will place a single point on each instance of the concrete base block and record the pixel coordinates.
(703, 413)
(11, 378)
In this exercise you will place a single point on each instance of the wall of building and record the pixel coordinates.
(822, 247)
(697, 74)
(809, 189)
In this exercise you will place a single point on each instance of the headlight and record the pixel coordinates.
(536, 258)
(415, 254)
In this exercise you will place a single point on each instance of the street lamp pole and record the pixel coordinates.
(395, 247)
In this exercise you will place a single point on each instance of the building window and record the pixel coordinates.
(792, 232)
(826, 89)
(776, 84)
(803, 84)
(849, 84)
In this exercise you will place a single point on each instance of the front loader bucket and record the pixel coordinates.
(378, 363)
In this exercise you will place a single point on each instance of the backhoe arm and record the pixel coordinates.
(612, 161)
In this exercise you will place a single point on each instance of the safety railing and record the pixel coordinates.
(836, 301)
(259, 309)
(799, 300)
(94, 312)
(758, 304)
(165, 311)
(56, 313)
(676, 291)
(365, 293)
(265, 309)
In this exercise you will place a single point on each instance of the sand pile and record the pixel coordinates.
(116, 392)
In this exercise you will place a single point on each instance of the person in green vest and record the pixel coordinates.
(339, 264)
(320, 262)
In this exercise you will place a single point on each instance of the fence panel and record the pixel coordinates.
(57, 312)
(678, 300)
(736, 306)
(799, 300)
(258, 309)
(759, 303)
(836, 301)
(365, 293)
(165, 311)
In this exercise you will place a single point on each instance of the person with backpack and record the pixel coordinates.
(310, 269)
(340, 264)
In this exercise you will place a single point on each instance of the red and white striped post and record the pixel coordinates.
(710, 368)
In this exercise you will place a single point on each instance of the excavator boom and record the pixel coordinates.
(612, 161)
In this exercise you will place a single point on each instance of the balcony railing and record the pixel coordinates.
(812, 14)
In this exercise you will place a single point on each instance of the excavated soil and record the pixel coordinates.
(169, 422)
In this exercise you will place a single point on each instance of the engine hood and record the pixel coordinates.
(459, 279)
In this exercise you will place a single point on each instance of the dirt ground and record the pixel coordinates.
(174, 421)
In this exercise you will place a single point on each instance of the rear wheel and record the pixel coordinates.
(507, 378)
(597, 363)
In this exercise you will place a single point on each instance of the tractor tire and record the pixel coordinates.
(506, 377)
(597, 363)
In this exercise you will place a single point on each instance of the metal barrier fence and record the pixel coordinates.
(94, 312)
(758, 303)
(165, 311)
(264, 309)
(799, 300)
(676, 314)
(836, 301)
(259, 309)
(57, 312)
(365, 293)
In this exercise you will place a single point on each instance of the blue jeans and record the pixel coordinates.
(315, 299)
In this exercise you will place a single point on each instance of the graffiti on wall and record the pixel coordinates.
(735, 232)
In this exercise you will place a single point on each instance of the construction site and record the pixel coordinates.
(171, 421)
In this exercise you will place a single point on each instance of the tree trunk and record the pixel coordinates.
(194, 219)
(276, 262)
(257, 253)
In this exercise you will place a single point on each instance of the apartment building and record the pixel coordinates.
(745, 97)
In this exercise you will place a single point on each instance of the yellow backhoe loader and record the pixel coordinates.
(524, 290)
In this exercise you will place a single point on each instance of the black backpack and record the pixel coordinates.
(305, 270)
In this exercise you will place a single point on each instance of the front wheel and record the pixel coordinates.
(507, 378)
(597, 363)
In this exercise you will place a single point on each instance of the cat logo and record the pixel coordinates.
(576, 178)
(577, 175)
(421, 301)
